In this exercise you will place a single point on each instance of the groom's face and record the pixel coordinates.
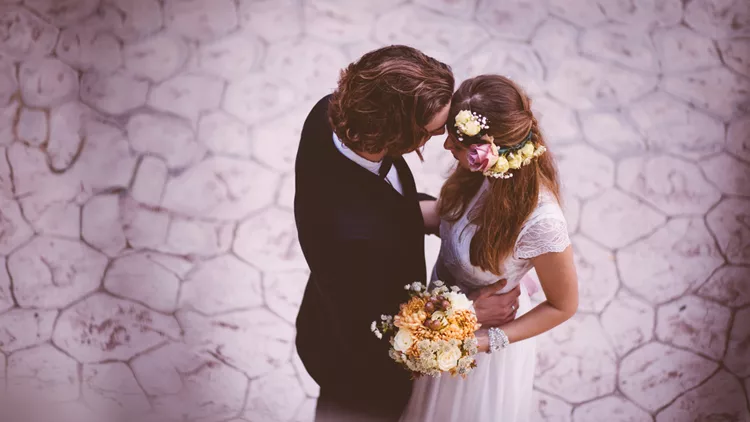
(436, 126)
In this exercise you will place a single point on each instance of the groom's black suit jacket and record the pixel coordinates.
(363, 242)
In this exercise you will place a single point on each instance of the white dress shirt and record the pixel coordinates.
(374, 167)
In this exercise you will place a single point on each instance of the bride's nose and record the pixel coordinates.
(447, 143)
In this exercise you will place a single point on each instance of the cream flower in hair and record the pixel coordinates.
(527, 151)
(515, 160)
(470, 124)
(501, 166)
(471, 128)
(463, 117)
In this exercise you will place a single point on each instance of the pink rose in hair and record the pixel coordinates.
(482, 157)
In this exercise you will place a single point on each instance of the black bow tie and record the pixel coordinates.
(385, 166)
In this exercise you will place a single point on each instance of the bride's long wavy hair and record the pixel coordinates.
(508, 203)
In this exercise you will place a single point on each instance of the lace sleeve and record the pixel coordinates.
(543, 236)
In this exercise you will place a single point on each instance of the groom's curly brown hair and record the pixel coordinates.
(385, 99)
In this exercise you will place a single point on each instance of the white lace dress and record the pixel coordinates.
(500, 387)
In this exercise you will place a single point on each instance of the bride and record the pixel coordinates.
(499, 215)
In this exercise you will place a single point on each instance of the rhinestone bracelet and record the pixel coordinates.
(498, 339)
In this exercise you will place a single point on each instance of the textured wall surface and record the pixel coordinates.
(148, 251)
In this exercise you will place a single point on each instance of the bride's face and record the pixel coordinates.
(457, 149)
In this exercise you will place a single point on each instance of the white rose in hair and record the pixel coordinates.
(448, 358)
(471, 128)
(459, 301)
(463, 116)
(403, 340)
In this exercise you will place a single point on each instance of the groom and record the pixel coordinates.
(361, 228)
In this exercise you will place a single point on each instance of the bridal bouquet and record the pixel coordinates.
(433, 332)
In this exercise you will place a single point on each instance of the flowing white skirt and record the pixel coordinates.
(498, 390)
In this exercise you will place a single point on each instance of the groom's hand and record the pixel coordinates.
(494, 310)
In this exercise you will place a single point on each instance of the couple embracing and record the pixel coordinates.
(362, 223)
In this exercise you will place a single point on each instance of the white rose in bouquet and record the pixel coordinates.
(448, 358)
(459, 301)
(403, 340)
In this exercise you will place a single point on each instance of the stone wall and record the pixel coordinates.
(149, 258)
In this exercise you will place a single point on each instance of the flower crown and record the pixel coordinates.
(487, 157)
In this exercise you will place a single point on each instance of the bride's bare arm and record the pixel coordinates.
(559, 281)
(430, 217)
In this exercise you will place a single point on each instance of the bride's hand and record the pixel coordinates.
(483, 340)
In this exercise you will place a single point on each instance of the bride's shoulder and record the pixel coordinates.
(544, 231)
(548, 205)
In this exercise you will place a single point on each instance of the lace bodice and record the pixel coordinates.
(544, 231)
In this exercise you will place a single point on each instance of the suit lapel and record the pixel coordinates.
(407, 179)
